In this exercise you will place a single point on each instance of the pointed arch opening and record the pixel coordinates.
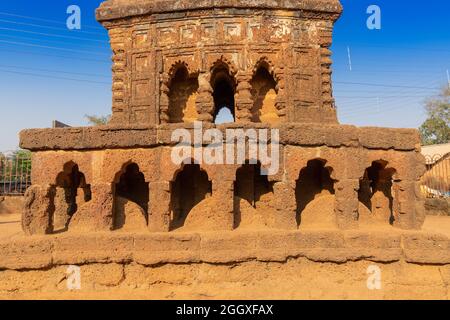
(189, 188)
(315, 194)
(182, 96)
(71, 192)
(224, 90)
(253, 197)
(375, 193)
(131, 199)
(264, 94)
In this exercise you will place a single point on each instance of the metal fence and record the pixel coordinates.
(436, 181)
(15, 173)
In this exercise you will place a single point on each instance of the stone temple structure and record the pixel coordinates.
(176, 62)
(110, 202)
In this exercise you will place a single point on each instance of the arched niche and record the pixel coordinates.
(314, 194)
(264, 95)
(190, 186)
(375, 193)
(131, 199)
(253, 197)
(71, 191)
(183, 89)
(223, 84)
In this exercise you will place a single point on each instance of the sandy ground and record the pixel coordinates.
(439, 224)
(10, 225)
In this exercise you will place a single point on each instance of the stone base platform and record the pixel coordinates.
(308, 264)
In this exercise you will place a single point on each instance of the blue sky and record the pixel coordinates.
(48, 72)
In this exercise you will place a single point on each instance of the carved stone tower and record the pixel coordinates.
(269, 61)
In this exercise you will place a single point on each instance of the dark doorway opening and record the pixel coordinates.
(190, 187)
(224, 86)
(314, 180)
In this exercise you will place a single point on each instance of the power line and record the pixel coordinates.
(400, 48)
(56, 71)
(409, 71)
(97, 48)
(50, 47)
(364, 99)
(53, 77)
(348, 108)
(55, 56)
(383, 85)
(49, 27)
(365, 102)
(52, 35)
(388, 63)
(376, 91)
(374, 97)
(45, 20)
(369, 112)
(368, 109)
(415, 83)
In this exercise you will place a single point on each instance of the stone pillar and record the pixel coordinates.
(62, 205)
(327, 109)
(164, 101)
(285, 206)
(326, 62)
(280, 101)
(38, 210)
(118, 38)
(103, 206)
(205, 101)
(159, 209)
(223, 193)
(382, 198)
(347, 203)
(365, 192)
(408, 209)
(243, 98)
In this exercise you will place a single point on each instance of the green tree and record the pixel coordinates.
(436, 129)
(95, 120)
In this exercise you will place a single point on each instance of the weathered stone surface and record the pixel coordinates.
(224, 247)
(115, 9)
(97, 138)
(38, 208)
(87, 138)
(30, 253)
(129, 216)
(61, 215)
(239, 281)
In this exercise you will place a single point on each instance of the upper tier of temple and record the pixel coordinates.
(181, 61)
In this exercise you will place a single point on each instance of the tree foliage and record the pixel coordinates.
(95, 120)
(436, 129)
